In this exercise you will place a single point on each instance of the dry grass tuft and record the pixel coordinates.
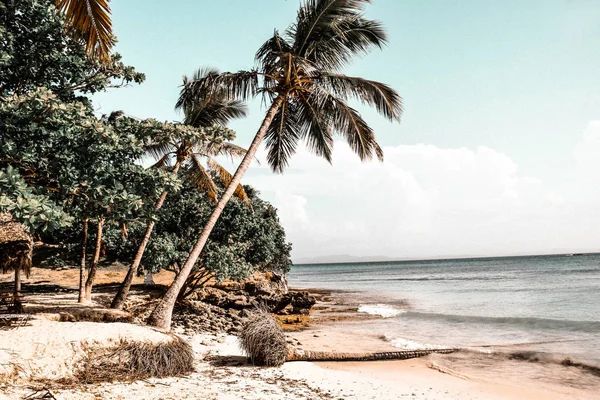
(262, 339)
(96, 315)
(130, 361)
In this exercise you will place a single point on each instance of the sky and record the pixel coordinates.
(498, 150)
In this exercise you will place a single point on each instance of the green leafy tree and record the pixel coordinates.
(299, 76)
(35, 211)
(244, 239)
(87, 166)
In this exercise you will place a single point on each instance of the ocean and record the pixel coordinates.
(534, 308)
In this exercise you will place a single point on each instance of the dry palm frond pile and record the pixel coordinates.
(129, 361)
(263, 340)
(15, 246)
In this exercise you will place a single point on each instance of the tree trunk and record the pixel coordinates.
(119, 300)
(94, 266)
(304, 355)
(17, 305)
(149, 279)
(161, 316)
(84, 236)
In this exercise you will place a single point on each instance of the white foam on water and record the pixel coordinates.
(383, 310)
(406, 344)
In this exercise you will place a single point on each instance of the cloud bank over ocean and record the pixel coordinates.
(428, 201)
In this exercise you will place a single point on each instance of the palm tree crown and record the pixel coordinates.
(300, 71)
(213, 109)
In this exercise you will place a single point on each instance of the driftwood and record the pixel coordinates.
(263, 340)
(304, 355)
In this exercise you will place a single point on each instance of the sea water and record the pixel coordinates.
(543, 305)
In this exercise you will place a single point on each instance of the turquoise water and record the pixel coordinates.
(546, 304)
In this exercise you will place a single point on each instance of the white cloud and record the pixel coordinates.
(426, 201)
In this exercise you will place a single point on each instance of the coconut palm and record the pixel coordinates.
(197, 157)
(298, 75)
(90, 19)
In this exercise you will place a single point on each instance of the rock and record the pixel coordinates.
(224, 307)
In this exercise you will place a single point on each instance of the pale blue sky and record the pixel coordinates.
(519, 77)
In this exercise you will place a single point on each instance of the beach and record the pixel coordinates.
(222, 371)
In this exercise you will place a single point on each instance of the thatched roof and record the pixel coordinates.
(15, 246)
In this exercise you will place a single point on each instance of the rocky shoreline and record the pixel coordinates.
(223, 308)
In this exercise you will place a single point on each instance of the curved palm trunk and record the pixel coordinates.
(161, 316)
(94, 266)
(119, 300)
(84, 236)
(304, 355)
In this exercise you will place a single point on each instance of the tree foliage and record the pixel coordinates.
(36, 51)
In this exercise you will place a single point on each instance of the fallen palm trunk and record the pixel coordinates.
(263, 341)
(307, 355)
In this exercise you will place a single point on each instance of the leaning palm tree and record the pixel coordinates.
(197, 157)
(90, 19)
(299, 75)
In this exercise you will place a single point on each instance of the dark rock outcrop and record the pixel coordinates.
(224, 307)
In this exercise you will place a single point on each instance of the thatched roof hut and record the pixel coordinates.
(16, 246)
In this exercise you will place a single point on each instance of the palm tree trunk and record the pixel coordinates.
(119, 300)
(161, 316)
(17, 306)
(94, 266)
(304, 355)
(84, 236)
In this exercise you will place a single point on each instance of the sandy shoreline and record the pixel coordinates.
(221, 371)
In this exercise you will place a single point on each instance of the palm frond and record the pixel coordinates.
(225, 178)
(346, 39)
(314, 129)
(385, 99)
(348, 122)
(271, 51)
(91, 20)
(208, 105)
(228, 149)
(198, 176)
(282, 137)
(331, 32)
(234, 85)
(163, 163)
(158, 150)
(213, 111)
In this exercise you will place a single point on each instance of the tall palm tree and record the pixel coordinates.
(90, 19)
(214, 108)
(299, 75)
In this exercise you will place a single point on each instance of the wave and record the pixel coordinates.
(406, 344)
(383, 310)
(527, 322)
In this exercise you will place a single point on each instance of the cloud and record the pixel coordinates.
(427, 201)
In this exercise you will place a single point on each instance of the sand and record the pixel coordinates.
(51, 348)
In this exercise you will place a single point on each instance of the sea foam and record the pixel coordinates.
(406, 344)
(383, 310)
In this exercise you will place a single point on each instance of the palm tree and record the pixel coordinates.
(299, 75)
(90, 19)
(211, 109)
